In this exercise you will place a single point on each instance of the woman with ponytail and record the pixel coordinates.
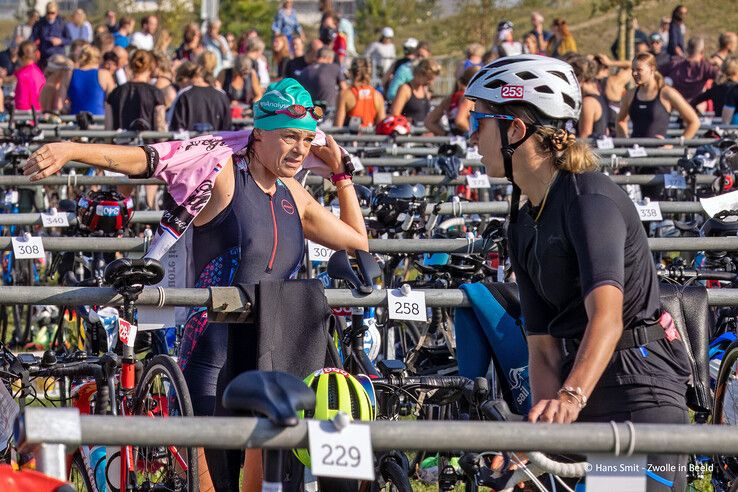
(650, 104)
(600, 347)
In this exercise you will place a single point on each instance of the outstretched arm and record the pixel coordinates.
(50, 158)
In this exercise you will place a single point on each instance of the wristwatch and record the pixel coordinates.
(348, 172)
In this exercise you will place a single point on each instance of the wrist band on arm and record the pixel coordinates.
(343, 186)
(335, 178)
(575, 393)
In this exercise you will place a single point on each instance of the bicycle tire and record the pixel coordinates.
(145, 401)
(726, 391)
(78, 464)
(395, 478)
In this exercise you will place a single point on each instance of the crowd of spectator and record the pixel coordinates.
(134, 73)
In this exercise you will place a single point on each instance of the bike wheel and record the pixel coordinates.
(78, 475)
(162, 393)
(725, 412)
(394, 478)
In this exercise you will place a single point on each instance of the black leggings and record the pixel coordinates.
(648, 406)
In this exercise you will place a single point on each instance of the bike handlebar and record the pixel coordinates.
(686, 273)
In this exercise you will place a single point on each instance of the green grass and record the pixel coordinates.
(594, 34)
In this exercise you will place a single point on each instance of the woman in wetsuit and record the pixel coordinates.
(593, 117)
(588, 287)
(649, 105)
(252, 228)
(413, 99)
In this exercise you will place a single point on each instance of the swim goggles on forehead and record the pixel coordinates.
(475, 117)
(295, 111)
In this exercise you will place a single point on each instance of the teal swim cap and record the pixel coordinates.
(280, 95)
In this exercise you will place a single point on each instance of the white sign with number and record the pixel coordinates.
(649, 211)
(605, 143)
(675, 182)
(55, 220)
(382, 178)
(341, 454)
(410, 306)
(637, 152)
(28, 248)
(316, 252)
(477, 181)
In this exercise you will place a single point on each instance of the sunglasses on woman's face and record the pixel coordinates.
(475, 117)
(296, 111)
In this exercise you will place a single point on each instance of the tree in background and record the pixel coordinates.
(373, 15)
(626, 33)
(241, 15)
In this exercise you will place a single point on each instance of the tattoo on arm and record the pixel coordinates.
(110, 162)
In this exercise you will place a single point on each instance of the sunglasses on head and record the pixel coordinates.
(295, 111)
(475, 117)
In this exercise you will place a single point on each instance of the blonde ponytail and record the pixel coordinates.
(571, 154)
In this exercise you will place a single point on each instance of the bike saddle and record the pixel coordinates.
(686, 226)
(277, 396)
(127, 272)
(139, 125)
(340, 268)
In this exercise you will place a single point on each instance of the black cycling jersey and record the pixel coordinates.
(588, 235)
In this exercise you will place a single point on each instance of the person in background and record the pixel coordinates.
(340, 46)
(347, 28)
(677, 32)
(164, 78)
(297, 47)
(323, 80)
(121, 73)
(658, 50)
(542, 37)
(690, 74)
(208, 62)
(286, 23)
(727, 45)
(640, 40)
(506, 44)
(562, 42)
(296, 65)
(530, 45)
(397, 74)
(719, 92)
(29, 78)
(381, 54)
(104, 42)
(122, 37)
(650, 104)
(474, 53)
(664, 30)
(232, 44)
(89, 86)
(729, 115)
(613, 77)
(413, 99)
(111, 22)
(137, 99)
(144, 39)
(255, 51)
(240, 84)
(245, 39)
(280, 56)
(8, 62)
(455, 107)
(79, 27)
(163, 42)
(198, 103)
(22, 32)
(50, 34)
(111, 63)
(58, 71)
(360, 104)
(328, 27)
(593, 116)
(191, 46)
(216, 43)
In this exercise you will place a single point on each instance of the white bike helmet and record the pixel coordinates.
(545, 84)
